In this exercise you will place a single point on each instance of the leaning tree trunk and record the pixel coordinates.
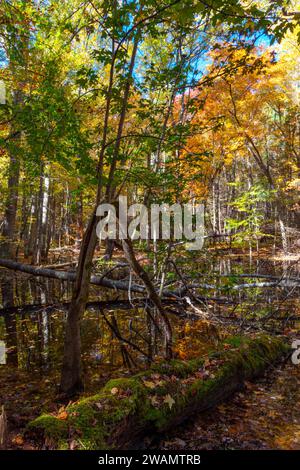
(71, 379)
(153, 295)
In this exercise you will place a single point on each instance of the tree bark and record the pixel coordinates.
(153, 295)
(71, 380)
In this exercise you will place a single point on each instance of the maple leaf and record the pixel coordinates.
(149, 384)
(169, 400)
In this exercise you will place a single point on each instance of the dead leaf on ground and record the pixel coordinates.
(62, 415)
(169, 400)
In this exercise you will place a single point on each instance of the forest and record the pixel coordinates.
(149, 225)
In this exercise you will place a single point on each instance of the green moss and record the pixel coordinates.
(126, 404)
(235, 341)
(51, 426)
(178, 368)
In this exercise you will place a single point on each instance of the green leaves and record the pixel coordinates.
(86, 77)
(250, 217)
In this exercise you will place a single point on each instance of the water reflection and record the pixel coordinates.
(111, 338)
(114, 333)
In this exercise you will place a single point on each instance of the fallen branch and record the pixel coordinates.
(67, 276)
(95, 280)
(285, 283)
(258, 276)
(123, 285)
(114, 327)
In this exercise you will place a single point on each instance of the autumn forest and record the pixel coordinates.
(119, 330)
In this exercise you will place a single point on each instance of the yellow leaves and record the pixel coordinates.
(155, 382)
(294, 184)
(149, 384)
(169, 401)
(18, 440)
(233, 106)
(198, 336)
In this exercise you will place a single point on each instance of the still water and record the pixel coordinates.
(117, 335)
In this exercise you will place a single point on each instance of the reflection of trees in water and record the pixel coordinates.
(34, 335)
(11, 337)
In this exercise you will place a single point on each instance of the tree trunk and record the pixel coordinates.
(153, 295)
(37, 252)
(71, 379)
(8, 245)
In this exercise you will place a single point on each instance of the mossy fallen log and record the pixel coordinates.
(152, 401)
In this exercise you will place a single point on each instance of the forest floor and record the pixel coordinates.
(265, 415)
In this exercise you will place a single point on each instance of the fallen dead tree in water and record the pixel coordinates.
(67, 276)
(125, 286)
(127, 409)
(138, 302)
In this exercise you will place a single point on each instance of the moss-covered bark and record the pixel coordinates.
(154, 400)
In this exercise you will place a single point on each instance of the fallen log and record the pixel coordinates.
(96, 280)
(67, 276)
(59, 265)
(125, 286)
(259, 276)
(279, 279)
(127, 409)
